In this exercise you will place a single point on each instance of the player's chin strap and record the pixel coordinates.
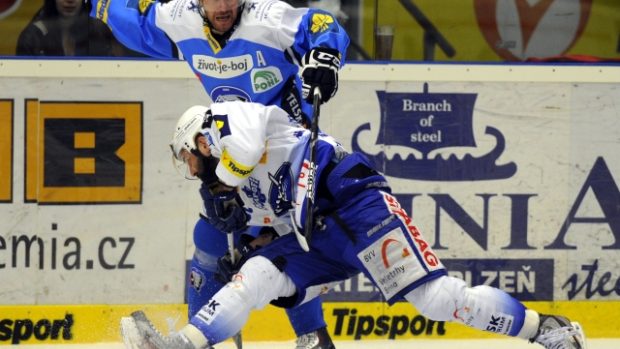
(304, 238)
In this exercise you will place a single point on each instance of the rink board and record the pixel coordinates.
(523, 196)
(345, 321)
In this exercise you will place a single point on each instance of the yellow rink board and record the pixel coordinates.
(99, 323)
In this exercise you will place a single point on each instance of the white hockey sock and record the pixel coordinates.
(257, 283)
(482, 307)
(530, 325)
(195, 336)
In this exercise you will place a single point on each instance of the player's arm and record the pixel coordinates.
(236, 135)
(241, 130)
(322, 44)
(136, 26)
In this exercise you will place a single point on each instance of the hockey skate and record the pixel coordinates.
(318, 339)
(557, 332)
(139, 333)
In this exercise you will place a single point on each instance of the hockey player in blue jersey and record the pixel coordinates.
(359, 227)
(240, 50)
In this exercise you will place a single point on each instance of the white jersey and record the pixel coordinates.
(261, 151)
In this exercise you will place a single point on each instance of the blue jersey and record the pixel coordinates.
(258, 62)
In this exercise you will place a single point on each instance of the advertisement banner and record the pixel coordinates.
(494, 30)
(514, 183)
(516, 172)
(76, 324)
(94, 211)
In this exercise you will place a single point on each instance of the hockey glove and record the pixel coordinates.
(226, 268)
(320, 70)
(246, 247)
(224, 209)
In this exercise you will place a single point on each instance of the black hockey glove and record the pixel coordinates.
(224, 209)
(246, 246)
(225, 268)
(319, 69)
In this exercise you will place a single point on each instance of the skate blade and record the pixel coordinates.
(238, 340)
(582, 337)
(130, 333)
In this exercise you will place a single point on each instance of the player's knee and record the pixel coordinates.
(438, 298)
(262, 281)
(449, 299)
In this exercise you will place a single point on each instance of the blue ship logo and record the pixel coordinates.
(426, 122)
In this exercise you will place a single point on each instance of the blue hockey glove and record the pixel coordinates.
(224, 209)
(319, 69)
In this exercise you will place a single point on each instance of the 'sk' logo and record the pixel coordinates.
(213, 304)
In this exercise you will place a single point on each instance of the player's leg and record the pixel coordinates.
(491, 309)
(258, 282)
(309, 325)
(280, 273)
(402, 264)
(210, 244)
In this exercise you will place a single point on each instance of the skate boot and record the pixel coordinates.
(557, 332)
(318, 339)
(139, 333)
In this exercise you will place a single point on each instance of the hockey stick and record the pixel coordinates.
(231, 249)
(314, 135)
(304, 239)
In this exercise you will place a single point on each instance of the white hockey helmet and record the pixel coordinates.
(189, 126)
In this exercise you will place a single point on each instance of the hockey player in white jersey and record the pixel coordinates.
(240, 50)
(359, 227)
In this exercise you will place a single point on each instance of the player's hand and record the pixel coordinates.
(226, 268)
(224, 209)
(320, 70)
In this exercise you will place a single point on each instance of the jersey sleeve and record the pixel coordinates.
(241, 132)
(134, 25)
(319, 28)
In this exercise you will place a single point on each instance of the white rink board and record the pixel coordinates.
(557, 122)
